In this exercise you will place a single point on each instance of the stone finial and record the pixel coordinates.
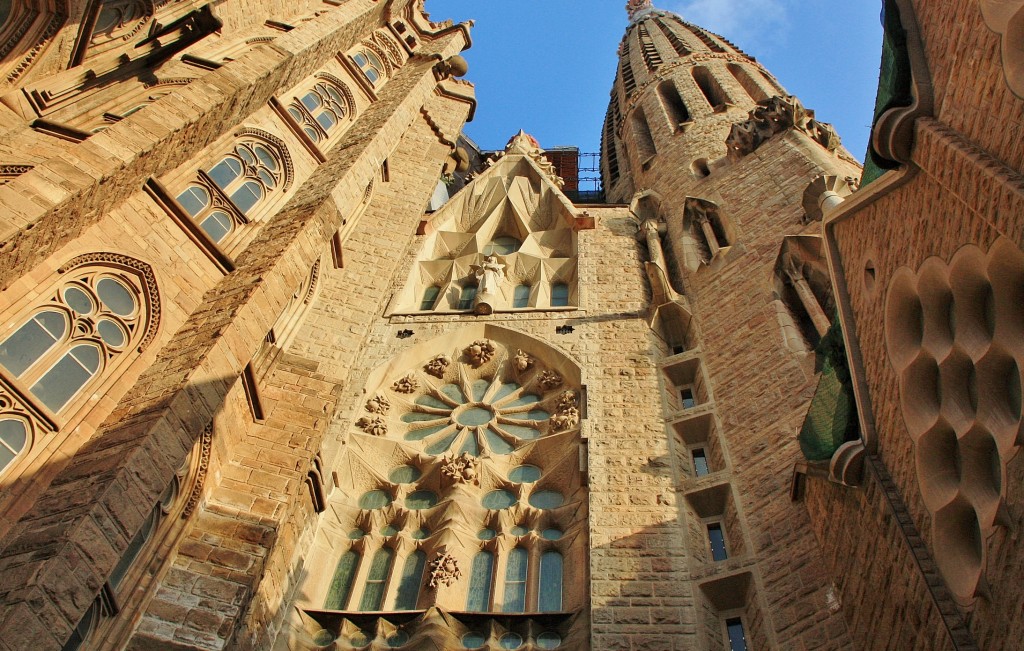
(462, 469)
(378, 404)
(634, 7)
(444, 570)
(480, 352)
(437, 365)
(550, 380)
(407, 384)
(374, 425)
(524, 144)
(522, 361)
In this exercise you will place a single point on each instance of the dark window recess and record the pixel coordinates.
(678, 349)
(563, 330)
(700, 462)
(717, 539)
(689, 401)
(405, 334)
(737, 636)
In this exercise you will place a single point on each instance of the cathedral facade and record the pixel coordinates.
(284, 364)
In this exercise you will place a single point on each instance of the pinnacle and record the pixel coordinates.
(635, 7)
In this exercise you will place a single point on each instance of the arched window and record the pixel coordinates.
(321, 109)
(113, 23)
(409, 585)
(341, 585)
(145, 534)
(377, 579)
(521, 296)
(672, 103)
(466, 297)
(710, 87)
(748, 82)
(430, 295)
(559, 295)
(87, 324)
(644, 140)
(515, 581)
(13, 439)
(370, 65)
(480, 579)
(226, 196)
(504, 245)
(550, 587)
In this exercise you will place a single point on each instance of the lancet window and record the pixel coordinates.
(323, 109)
(803, 287)
(232, 192)
(108, 26)
(710, 88)
(371, 65)
(707, 232)
(462, 491)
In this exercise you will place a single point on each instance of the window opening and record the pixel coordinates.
(409, 585)
(481, 577)
(686, 395)
(320, 110)
(550, 588)
(651, 56)
(376, 580)
(430, 295)
(737, 636)
(13, 437)
(673, 38)
(341, 585)
(716, 539)
(747, 82)
(709, 86)
(504, 245)
(644, 139)
(628, 80)
(611, 156)
(370, 65)
(521, 296)
(515, 581)
(700, 462)
(466, 297)
(559, 295)
(673, 105)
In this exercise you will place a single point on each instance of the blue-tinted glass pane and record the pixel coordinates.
(486, 534)
(327, 120)
(442, 444)
(419, 417)
(295, 113)
(374, 500)
(356, 534)
(479, 388)
(313, 134)
(505, 390)
(526, 433)
(425, 432)
(247, 196)
(111, 333)
(515, 581)
(475, 416)
(371, 74)
(6, 457)
(473, 640)
(78, 300)
(421, 533)
(480, 579)
(194, 199)
(470, 445)
(429, 297)
(546, 500)
(397, 639)
(524, 474)
(409, 585)
(535, 414)
(454, 392)
(13, 434)
(686, 395)
(245, 154)
(226, 171)
(549, 640)
(404, 474)
(30, 341)
(217, 225)
(67, 377)
(497, 500)
(265, 157)
(360, 639)
(311, 101)
(519, 530)
(360, 60)
(373, 594)
(521, 296)
(431, 401)
(502, 246)
(267, 178)
(551, 534)
(550, 592)
(700, 462)
(115, 297)
(511, 641)
(717, 539)
(419, 500)
(523, 400)
(466, 297)
(134, 549)
(737, 636)
(496, 443)
(559, 295)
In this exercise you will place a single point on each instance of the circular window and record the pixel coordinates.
(475, 416)
(373, 500)
(546, 500)
(549, 640)
(519, 530)
(473, 640)
(511, 641)
(420, 500)
(359, 639)
(524, 474)
(115, 297)
(78, 300)
(498, 500)
(420, 533)
(552, 534)
(356, 534)
(486, 534)
(388, 530)
(323, 637)
(398, 638)
(404, 475)
(111, 333)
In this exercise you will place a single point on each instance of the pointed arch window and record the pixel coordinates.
(322, 109)
(550, 587)
(377, 579)
(710, 88)
(748, 82)
(341, 584)
(409, 584)
(466, 297)
(84, 328)
(13, 440)
(227, 195)
(515, 581)
(371, 66)
(480, 580)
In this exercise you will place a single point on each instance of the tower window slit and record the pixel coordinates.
(642, 133)
(700, 462)
(747, 81)
(651, 57)
(737, 636)
(710, 87)
(628, 80)
(716, 540)
(673, 104)
(673, 39)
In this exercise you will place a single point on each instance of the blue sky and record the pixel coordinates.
(547, 66)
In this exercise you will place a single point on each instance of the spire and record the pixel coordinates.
(635, 8)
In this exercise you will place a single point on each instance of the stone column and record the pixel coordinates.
(808, 299)
(709, 233)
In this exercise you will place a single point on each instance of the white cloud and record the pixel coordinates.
(754, 25)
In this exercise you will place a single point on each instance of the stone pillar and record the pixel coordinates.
(652, 231)
(709, 233)
(808, 299)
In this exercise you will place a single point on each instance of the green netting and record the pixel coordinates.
(894, 84)
(832, 416)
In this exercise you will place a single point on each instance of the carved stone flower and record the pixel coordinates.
(549, 380)
(522, 361)
(444, 570)
(567, 400)
(480, 352)
(407, 384)
(438, 365)
(378, 404)
(463, 469)
(568, 418)
(374, 425)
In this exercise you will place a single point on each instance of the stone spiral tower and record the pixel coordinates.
(725, 174)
